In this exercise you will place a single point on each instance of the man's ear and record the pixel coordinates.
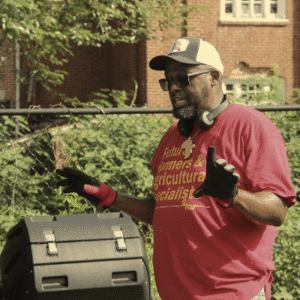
(215, 77)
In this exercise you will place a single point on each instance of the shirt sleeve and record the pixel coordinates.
(267, 168)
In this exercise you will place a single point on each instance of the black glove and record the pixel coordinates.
(86, 186)
(221, 181)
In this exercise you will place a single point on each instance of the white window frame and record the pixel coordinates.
(238, 89)
(265, 17)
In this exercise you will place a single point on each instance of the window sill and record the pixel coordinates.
(254, 22)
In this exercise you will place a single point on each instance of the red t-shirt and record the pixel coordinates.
(202, 251)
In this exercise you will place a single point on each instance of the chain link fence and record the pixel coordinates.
(114, 145)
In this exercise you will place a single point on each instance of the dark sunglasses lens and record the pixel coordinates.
(182, 81)
(163, 84)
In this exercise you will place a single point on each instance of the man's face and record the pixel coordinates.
(187, 102)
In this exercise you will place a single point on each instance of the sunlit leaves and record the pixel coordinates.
(47, 29)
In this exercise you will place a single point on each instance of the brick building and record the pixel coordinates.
(250, 35)
(7, 76)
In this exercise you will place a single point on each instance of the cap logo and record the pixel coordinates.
(180, 46)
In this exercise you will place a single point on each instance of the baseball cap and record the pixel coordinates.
(189, 50)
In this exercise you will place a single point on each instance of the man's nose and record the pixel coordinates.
(173, 88)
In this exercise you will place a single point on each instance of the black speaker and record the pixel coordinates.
(86, 257)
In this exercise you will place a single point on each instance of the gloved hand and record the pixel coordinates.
(221, 181)
(86, 186)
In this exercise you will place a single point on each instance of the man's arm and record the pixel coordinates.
(99, 193)
(262, 207)
(139, 208)
(221, 183)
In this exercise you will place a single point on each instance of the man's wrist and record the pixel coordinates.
(109, 200)
(231, 201)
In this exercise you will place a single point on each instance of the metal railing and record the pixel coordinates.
(141, 110)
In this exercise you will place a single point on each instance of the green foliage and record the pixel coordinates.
(296, 97)
(288, 125)
(117, 149)
(107, 98)
(286, 284)
(270, 90)
(47, 30)
(14, 163)
(286, 255)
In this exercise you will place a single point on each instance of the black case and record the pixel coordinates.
(90, 256)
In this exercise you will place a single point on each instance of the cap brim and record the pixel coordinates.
(158, 63)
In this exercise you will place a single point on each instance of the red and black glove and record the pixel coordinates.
(87, 187)
(221, 181)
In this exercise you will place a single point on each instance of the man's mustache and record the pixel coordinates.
(180, 95)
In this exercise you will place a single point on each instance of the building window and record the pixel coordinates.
(247, 91)
(228, 6)
(5, 104)
(257, 8)
(274, 7)
(244, 89)
(253, 10)
(245, 8)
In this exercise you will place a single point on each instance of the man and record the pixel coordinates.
(213, 229)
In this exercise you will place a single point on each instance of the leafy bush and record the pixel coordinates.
(270, 90)
(117, 149)
(288, 124)
(286, 284)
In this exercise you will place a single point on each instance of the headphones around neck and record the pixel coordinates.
(205, 119)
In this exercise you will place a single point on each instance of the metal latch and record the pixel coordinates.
(50, 238)
(118, 234)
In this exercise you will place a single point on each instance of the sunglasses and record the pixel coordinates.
(181, 81)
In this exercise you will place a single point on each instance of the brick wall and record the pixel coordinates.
(256, 46)
(7, 76)
(115, 67)
(259, 47)
(92, 69)
(296, 44)
(155, 97)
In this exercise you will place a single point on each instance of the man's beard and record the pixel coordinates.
(191, 111)
(187, 112)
